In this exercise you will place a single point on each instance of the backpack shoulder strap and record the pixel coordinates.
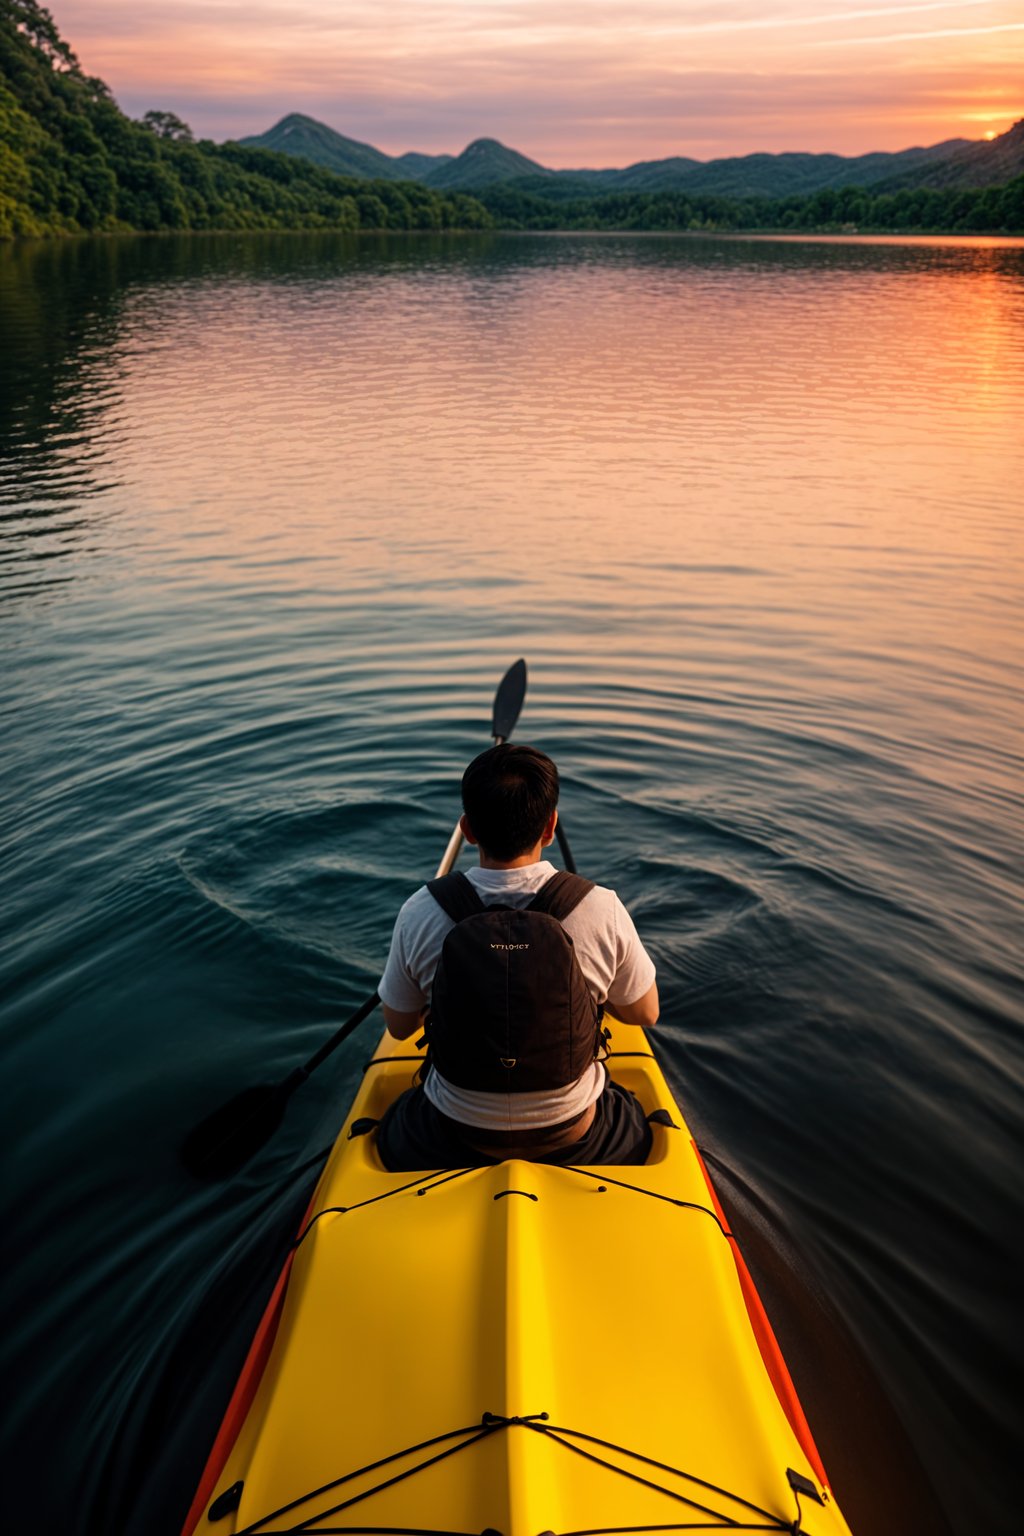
(456, 895)
(561, 895)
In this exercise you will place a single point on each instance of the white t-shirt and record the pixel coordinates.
(615, 965)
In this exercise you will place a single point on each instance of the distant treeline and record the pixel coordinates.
(71, 162)
(989, 210)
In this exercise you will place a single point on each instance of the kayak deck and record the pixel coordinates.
(516, 1349)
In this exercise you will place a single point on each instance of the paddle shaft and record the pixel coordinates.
(563, 843)
(457, 839)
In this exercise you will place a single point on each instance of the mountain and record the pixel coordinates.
(484, 163)
(419, 166)
(987, 163)
(487, 163)
(306, 139)
(642, 174)
(763, 175)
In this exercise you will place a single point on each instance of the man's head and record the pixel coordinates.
(509, 794)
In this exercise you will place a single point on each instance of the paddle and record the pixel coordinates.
(222, 1143)
(563, 843)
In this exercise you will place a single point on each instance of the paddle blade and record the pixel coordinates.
(508, 701)
(222, 1143)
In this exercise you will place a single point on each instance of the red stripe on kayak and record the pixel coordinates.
(245, 1390)
(767, 1343)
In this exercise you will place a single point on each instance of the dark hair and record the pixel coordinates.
(508, 793)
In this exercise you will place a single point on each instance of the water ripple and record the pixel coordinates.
(275, 515)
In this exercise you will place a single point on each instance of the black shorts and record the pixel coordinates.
(414, 1136)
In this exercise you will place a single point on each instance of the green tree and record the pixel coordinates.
(167, 125)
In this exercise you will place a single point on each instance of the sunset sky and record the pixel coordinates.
(569, 82)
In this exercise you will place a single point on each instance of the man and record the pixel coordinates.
(522, 1100)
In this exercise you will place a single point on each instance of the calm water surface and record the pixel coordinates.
(275, 515)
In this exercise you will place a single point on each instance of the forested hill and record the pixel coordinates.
(72, 162)
(307, 139)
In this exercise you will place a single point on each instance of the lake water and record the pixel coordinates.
(276, 514)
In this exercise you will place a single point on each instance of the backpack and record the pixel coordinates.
(510, 1010)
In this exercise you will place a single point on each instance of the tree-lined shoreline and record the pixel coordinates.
(72, 163)
(845, 210)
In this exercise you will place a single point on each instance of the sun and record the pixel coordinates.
(990, 133)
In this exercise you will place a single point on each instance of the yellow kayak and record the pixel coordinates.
(517, 1350)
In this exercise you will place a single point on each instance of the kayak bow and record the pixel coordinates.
(422, 1366)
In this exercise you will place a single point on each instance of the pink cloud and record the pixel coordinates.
(581, 82)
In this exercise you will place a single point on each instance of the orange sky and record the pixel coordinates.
(570, 82)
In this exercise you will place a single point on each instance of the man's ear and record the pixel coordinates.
(467, 830)
(548, 835)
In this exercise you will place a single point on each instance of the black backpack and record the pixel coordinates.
(510, 1011)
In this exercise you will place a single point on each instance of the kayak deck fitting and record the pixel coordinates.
(516, 1350)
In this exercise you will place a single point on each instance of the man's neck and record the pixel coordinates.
(532, 856)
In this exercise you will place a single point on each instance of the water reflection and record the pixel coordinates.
(609, 401)
(60, 314)
(751, 509)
